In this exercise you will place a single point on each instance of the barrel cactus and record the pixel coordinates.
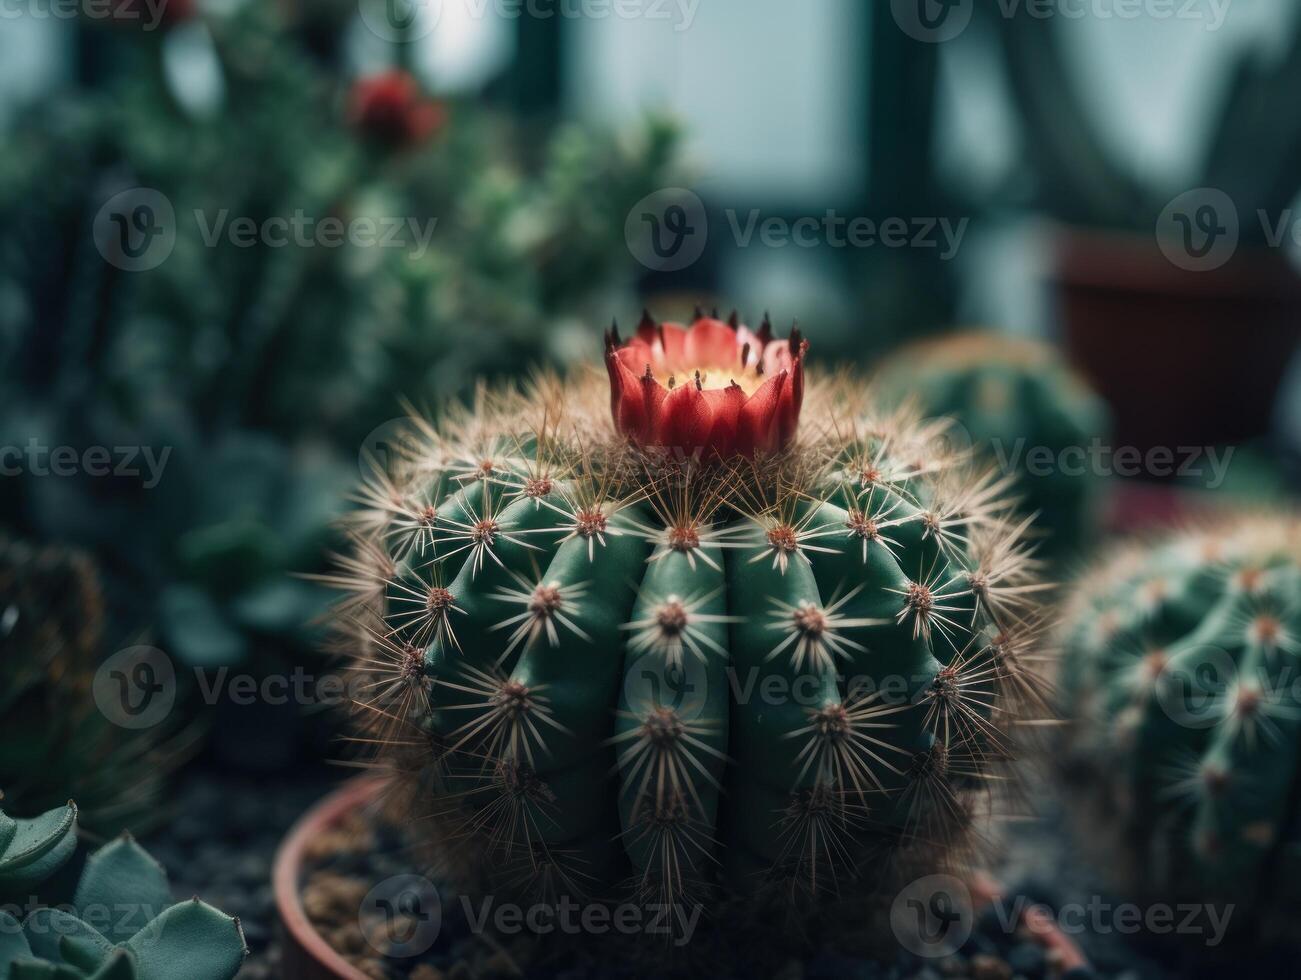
(121, 923)
(1178, 677)
(1023, 406)
(705, 628)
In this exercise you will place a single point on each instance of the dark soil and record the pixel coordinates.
(222, 844)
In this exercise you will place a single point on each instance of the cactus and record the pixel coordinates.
(121, 923)
(1178, 678)
(1016, 400)
(694, 648)
(53, 738)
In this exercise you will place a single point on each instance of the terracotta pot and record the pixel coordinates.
(306, 955)
(1184, 358)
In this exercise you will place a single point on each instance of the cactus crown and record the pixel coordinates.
(1185, 715)
(598, 660)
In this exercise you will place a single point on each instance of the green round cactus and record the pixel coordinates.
(692, 648)
(1179, 677)
(1025, 408)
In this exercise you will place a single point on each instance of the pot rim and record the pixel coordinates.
(363, 790)
(1128, 261)
(287, 869)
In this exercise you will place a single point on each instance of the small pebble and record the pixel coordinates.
(985, 967)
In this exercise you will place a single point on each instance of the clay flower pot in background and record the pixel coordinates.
(1184, 358)
(306, 955)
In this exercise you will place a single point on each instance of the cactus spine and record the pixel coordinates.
(599, 663)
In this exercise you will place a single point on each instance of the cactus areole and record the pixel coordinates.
(714, 387)
(756, 665)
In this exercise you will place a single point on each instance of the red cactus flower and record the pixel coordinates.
(390, 109)
(716, 387)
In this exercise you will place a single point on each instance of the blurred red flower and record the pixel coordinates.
(390, 109)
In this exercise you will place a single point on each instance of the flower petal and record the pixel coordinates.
(712, 343)
(685, 418)
(756, 429)
(634, 400)
(726, 405)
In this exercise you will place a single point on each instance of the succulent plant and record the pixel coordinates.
(121, 923)
(32, 850)
(222, 355)
(1178, 677)
(1021, 404)
(53, 738)
(659, 636)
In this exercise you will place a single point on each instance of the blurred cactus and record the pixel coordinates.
(1178, 679)
(572, 639)
(279, 358)
(54, 741)
(121, 923)
(1018, 402)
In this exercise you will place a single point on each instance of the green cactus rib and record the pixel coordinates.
(1180, 679)
(600, 668)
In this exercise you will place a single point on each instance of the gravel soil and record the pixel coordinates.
(223, 841)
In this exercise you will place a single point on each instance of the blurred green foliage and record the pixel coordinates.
(262, 368)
